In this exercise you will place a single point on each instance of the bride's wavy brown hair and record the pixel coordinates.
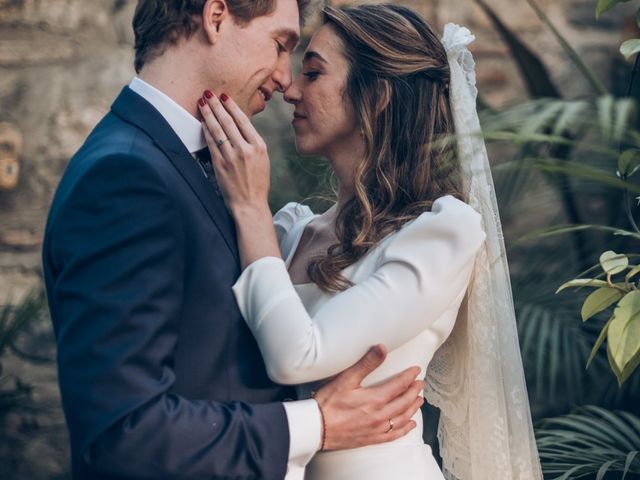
(397, 83)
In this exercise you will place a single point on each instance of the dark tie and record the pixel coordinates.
(204, 159)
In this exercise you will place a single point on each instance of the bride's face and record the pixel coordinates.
(324, 121)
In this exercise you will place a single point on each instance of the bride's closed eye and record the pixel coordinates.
(311, 75)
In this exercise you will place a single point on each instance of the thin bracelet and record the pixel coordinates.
(324, 424)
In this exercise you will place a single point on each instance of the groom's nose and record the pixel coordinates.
(293, 94)
(282, 75)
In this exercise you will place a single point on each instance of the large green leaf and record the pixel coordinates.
(630, 48)
(599, 341)
(582, 282)
(613, 263)
(599, 300)
(623, 336)
(629, 368)
(605, 5)
(629, 162)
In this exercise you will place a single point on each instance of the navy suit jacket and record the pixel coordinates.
(159, 375)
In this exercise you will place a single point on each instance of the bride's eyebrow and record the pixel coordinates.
(310, 55)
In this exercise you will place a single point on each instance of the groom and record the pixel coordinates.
(159, 375)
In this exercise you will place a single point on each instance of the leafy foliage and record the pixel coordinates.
(13, 321)
(630, 47)
(622, 330)
(591, 442)
(571, 163)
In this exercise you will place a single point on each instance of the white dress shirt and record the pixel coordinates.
(305, 423)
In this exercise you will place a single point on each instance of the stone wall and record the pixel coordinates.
(63, 61)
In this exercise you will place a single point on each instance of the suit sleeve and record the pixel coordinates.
(422, 273)
(116, 250)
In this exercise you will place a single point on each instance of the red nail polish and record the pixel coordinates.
(224, 97)
(208, 93)
(201, 102)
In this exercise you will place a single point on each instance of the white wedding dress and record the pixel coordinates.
(406, 295)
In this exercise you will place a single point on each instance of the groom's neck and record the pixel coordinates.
(179, 75)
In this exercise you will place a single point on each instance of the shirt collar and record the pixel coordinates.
(185, 125)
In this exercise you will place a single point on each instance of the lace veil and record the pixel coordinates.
(476, 378)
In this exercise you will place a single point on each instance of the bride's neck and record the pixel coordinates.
(344, 164)
(344, 195)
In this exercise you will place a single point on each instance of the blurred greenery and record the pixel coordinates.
(14, 393)
(562, 158)
(590, 442)
(28, 417)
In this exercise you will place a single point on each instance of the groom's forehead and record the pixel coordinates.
(284, 20)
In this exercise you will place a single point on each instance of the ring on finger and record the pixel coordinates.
(390, 426)
(221, 141)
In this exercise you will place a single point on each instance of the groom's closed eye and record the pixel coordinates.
(287, 39)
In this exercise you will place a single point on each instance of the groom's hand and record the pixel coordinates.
(355, 416)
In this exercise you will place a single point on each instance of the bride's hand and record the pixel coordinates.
(238, 152)
(241, 162)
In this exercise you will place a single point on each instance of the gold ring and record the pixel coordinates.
(221, 141)
(390, 426)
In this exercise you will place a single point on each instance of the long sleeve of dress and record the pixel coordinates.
(423, 271)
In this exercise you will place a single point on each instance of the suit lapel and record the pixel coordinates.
(134, 109)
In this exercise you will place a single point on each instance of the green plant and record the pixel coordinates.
(594, 146)
(13, 322)
(622, 330)
(549, 127)
(630, 47)
(591, 442)
(566, 151)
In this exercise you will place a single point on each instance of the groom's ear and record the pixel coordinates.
(214, 13)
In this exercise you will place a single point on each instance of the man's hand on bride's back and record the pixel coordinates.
(355, 416)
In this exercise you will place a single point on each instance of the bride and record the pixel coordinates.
(410, 256)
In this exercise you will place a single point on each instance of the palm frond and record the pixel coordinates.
(589, 442)
(582, 66)
(531, 68)
(555, 342)
(14, 320)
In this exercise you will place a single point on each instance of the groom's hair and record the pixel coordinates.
(159, 24)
